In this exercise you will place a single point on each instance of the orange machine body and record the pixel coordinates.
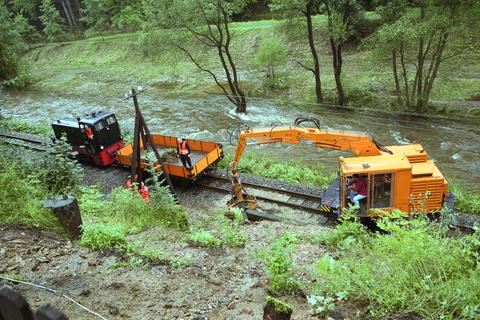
(204, 155)
(398, 177)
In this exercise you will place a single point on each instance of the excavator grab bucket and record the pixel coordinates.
(241, 199)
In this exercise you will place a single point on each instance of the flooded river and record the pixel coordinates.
(453, 144)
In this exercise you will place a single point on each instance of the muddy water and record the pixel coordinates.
(453, 144)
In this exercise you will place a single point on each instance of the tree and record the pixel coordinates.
(51, 20)
(11, 48)
(271, 54)
(208, 23)
(342, 17)
(306, 9)
(421, 41)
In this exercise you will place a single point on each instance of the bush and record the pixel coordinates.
(279, 265)
(233, 236)
(204, 238)
(160, 210)
(20, 197)
(60, 172)
(415, 271)
(272, 53)
(101, 236)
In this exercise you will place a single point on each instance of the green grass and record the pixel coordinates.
(24, 126)
(288, 171)
(203, 238)
(279, 265)
(413, 270)
(465, 200)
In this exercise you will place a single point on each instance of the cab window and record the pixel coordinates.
(111, 120)
(99, 126)
(381, 190)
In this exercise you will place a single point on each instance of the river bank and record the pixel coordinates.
(109, 65)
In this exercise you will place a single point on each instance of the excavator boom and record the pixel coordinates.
(360, 144)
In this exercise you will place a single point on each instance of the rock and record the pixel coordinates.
(247, 310)
(85, 293)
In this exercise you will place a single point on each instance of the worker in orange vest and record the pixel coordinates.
(143, 188)
(90, 141)
(144, 192)
(183, 151)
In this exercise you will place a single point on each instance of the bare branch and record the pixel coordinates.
(304, 66)
(199, 66)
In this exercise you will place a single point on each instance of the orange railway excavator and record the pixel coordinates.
(397, 177)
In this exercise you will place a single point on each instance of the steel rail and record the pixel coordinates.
(275, 201)
(269, 188)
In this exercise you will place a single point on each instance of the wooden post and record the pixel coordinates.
(275, 309)
(68, 213)
(142, 132)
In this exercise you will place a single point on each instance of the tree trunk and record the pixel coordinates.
(420, 63)
(337, 70)
(74, 21)
(404, 74)
(316, 64)
(395, 76)
(67, 14)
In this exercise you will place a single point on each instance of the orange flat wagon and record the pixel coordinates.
(204, 155)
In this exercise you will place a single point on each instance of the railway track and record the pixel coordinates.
(25, 140)
(265, 193)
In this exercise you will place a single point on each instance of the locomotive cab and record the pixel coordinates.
(97, 136)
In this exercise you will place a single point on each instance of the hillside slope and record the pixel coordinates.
(109, 65)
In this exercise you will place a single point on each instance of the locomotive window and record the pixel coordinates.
(99, 126)
(111, 120)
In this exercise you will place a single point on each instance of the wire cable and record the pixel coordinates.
(56, 292)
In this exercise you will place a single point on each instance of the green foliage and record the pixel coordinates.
(272, 53)
(238, 216)
(101, 236)
(128, 19)
(321, 305)
(204, 238)
(92, 202)
(279, 265)
(233, 236)
(279, 305)
(24, 126)
(13, 71)
(286, 171)
(20, 196)
(28, 32)
(465, 200)
(51, 20)
(61, 173)
(415, 269)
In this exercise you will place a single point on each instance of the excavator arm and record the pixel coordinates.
(360, 144)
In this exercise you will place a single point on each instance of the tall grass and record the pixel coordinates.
(24, 126)
(466, 201)
(288, 171)
(20, 196)
(413, 271)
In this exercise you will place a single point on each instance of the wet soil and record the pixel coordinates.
(222, 283)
